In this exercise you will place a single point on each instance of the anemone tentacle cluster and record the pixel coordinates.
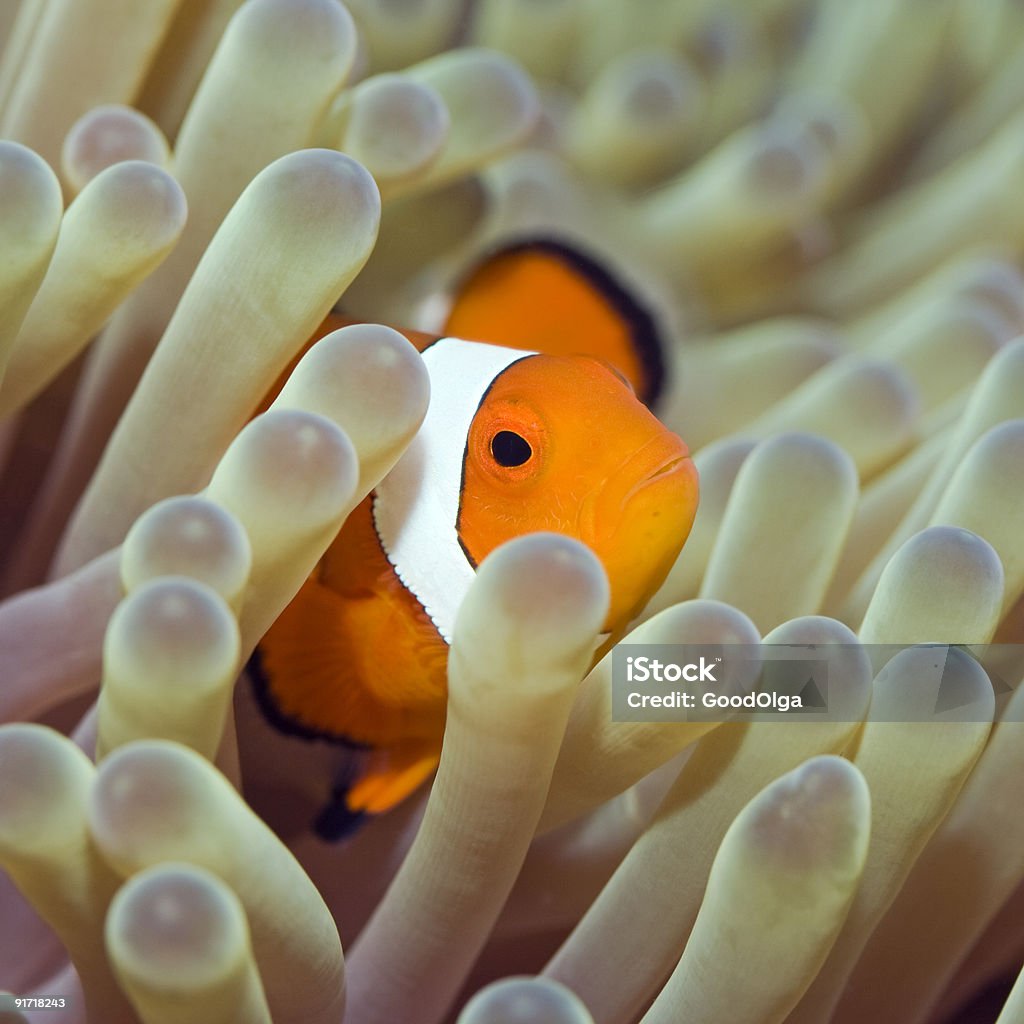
(817, 202)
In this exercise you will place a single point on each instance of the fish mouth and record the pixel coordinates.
(659, 455)
(657, 463)
(666, 469)
(637, 521)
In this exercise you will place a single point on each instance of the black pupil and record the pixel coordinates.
(509, 449)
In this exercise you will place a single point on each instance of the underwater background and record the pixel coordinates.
(818, 205)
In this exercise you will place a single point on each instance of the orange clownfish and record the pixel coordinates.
(515, 440)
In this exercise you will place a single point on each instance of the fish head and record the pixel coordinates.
(562, 444)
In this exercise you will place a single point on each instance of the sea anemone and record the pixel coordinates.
(816, 204)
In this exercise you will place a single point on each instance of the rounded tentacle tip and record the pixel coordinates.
(176, 928)
(137, 204)
(397, 126)
(663, 86)
(31, 204)
(147, 796)
(818, 814)
(321, 186)
(188, 536)
(955, 547)
(505, 85)
(798, 456)
(107, 135)
(833, 119)
(546, 593)
(933, 683)
(943, 583)
(288, 459)
(525, 1000)
(172, 632)
(787, 161)
(44, 776)
(286, 25)
(492, 100)
(370, 379)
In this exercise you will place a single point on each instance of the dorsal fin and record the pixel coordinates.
(552, 297)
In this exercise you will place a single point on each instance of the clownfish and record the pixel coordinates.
(516, 439)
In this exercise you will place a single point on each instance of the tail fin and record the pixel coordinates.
(381, 780)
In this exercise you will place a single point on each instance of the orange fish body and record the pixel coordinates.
(514, 441)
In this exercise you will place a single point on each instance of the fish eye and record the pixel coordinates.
(510, 449)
